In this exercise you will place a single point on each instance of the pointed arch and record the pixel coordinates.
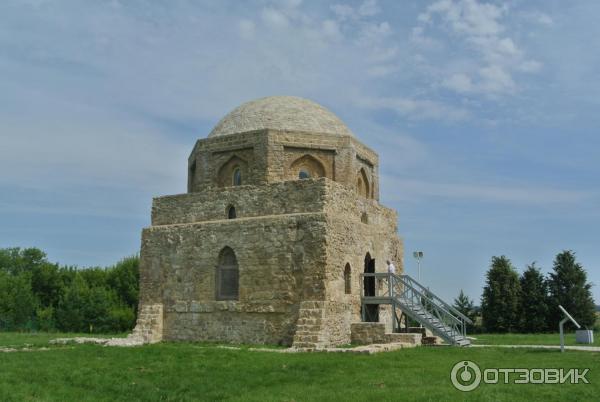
(227, 275)
(234, 172)
(363, 187)
(347, 279)
(231, 213)
(307, 166)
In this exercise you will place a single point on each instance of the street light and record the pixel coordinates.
(418, 255)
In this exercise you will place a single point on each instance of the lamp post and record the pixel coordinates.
(418, 255)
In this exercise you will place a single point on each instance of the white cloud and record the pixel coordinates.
(532, 195)
(478, 28)
(343, 11)
(530, 66)
(331, 29)
(247, 29)
(459, 82)
(538, 18)
(369, 8)
(415, 109)
(274, 18)
(495, 80)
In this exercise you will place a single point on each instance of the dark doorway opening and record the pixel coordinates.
(371, 311)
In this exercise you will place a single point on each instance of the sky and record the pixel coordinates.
(485, 115)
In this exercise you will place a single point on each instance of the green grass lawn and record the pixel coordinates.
(190, 371)
(529, 339)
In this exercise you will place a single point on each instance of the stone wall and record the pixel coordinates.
(349, 240)
(279, 261)
(365, 333)
(292, 241)
(291, 197)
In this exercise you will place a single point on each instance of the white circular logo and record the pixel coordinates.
(465, 376)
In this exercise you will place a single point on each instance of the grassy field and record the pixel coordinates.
(529, 339)
(190, 371)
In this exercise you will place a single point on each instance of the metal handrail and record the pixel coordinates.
(403, 290)
(449, 307)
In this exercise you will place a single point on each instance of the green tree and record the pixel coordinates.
(465, 305)
(70, 315)
(500, 300)
(124, 279)
(46, 284)
(569, 288)
(16, 261)
(17, 302)
(533, 309)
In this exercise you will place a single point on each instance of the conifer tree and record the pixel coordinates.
(533, 311)
(465, 305)
(569, 288)
(500, 299)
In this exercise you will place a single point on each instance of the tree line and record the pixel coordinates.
(37, 295)
(529, 302)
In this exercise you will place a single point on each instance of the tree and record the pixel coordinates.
(124, 278)
(15, 261)
(465, 305)
(500, 300)
(533, 309)
(70, 314)
(569, 288)
(38, 295)
(46, 284)
(17, 302)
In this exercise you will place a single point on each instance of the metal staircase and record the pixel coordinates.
(415, 301)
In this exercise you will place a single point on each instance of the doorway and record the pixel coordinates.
(371, 311)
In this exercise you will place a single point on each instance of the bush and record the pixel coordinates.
(38, 295)
(45, 319)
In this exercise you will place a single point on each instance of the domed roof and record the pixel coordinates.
(281, 113)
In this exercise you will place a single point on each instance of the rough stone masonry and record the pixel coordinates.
(280, 219)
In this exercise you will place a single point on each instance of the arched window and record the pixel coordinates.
(305, 167)
(234, 172)
(364, 218)
(304, 174)
(237, 176)
(231, 212)
(362, 184)
(227, 276)
(347, 279)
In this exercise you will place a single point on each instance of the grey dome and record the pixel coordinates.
(281, 113)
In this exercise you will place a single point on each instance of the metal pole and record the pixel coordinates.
(562, 335)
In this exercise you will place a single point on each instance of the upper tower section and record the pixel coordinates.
(281, 138)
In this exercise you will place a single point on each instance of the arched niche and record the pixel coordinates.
(234, 172)
(347, 279)
(227, 276)
(363, 187)
(306, 167)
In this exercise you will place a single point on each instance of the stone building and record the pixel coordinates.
(280, 218)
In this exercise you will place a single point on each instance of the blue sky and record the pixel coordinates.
(484, 114)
